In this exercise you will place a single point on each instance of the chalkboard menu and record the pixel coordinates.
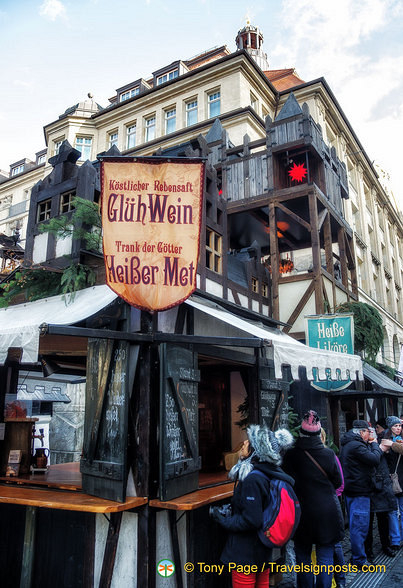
(105, 430)
(273, 399)
(179, 457)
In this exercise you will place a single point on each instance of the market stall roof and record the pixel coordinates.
(286, 350)
(380, 382)
(19, 325)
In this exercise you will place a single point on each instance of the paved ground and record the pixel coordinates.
(391, 575)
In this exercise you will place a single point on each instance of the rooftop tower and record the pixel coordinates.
(250, 38)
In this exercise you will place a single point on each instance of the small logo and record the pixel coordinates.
(166, 568)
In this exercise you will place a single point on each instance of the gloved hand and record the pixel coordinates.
(214, 512)
(220, 515)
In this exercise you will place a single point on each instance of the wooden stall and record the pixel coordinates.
(162, 398)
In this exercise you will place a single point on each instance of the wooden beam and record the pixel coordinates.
(316, 257)
(175, 547)
(349, 253)
(63, 345)
(29, 547)
(342, 253)
(111, 546)
(351, 265)
(325, 296)
(327, 231)
(294, 216)
(274, 262)
(300, 306)
(322, 217)
(158, 337)
(146, 548)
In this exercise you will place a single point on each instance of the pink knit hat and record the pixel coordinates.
(310, 423)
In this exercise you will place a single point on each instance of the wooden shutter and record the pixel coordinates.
(179, 422)
(109, 374)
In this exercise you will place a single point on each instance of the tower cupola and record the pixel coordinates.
(250, 38)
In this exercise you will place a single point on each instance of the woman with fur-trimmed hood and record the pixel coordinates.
(261, 451)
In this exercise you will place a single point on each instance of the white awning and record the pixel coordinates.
(286, 350)
(19, 325)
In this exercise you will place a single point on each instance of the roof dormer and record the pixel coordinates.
(169, 72)
(131, 90)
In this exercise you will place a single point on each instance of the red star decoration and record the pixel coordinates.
(298, 172)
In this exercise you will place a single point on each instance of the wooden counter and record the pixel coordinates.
(196, 499)
(45, 498)
(64, 476)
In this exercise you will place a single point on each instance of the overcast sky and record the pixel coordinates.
(56, 51)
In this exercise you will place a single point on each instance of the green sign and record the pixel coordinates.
(331, 332)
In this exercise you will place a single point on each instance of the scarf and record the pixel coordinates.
(242, 468)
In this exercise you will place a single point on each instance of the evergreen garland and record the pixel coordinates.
(37, 282)
(368, 336)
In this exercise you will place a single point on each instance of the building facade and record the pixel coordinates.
(180, 102)
(291, 212)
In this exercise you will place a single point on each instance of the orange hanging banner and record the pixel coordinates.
(151, 218)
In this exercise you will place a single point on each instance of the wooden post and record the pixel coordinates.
(111, 546)
(343, 256)
(29, 547)
(315, 244)
(146, 463)
(274, 261)
(327, 229)
(175, 548)
(146, 547)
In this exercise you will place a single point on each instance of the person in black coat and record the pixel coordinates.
(261, 451)
(383, 501)
(321, 521)
(360, 456)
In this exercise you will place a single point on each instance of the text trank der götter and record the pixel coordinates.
(147, 210)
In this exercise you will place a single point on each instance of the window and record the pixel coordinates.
(131, 136)
(213, 251)
(83, 144)
(150, 128)
(214, 107)
(170, 121)
(66, 202)
(166, 77)
(56, 146)
(17, 169)
(254, 102)
(255, 285)
(191, 113)
(43, 210)
(113, 139)
(265, 290)
(129, 94)
(41, 159)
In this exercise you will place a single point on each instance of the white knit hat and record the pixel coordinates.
(268, 445)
